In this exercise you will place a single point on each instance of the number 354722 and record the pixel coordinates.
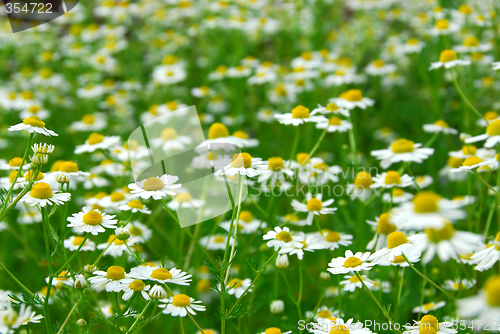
(33, 7)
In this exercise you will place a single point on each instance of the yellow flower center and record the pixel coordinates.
(314, 204)
(238, 283)
(41, 190)
(272, 330)
(442, 24)
(471, 41)
(68, 167)
(429, 322)
(398, 259)
(333, 237)
(276, 163)
(34, 121)
(402, 146)
(392, 177)
(412, 41)
(301, 158)
(352, 95)
(246, 216)
(492, 289)
(184, 197)
(300, 112)
(27, 95)
(379, 63)
(117, 196)
(325, 314)
(447, 56)
(469, 149)
(168, 134)
(153, 184)
(454, 162)
(396, 239)
(438, 235)
(352, 262)
(493, 129)
(241, 160)
(218, 130)
(95, 138)
(471, 161)
(181, 300)
(115, 273)
(16, 162)
(339, 329)
(332, 107)
(284, 236)
(77, 241)
(465, 9)
(135, 204)
(219, 239)
(363, 180)
(88, 119)
(396, 192)
(490, 116)
(27, 176)
(34, 109)
(335, 121)
(92, 218)
(441, 123)
(161, 274)
(355, 279)
(137, 285)
(384, 224)
(240, 134)
(426, 202)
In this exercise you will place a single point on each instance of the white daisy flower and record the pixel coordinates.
(114, 247)
(360, 188)
(412, 45)
(424, 181)
(427, 209)
(135, 206)
(215, 242)
(110, 278)
(75, 241)
(131, 285)
(314, 206)
(244, 164)
(155, 187)
(337, 325)
(171, 141)
(33, 124)
(448, 59)
(97, 141)
(440, 126)
(42, 194)
(380, 67)
(238, 286)
(351, 99)
(281, 237)
(426, 308)
(472, 44)
(330, 108)
(397, 196)
(311, 243)
(332, 240)
(90, 122)
(202, 91)
(299, 115)
(492, 135)
(399, 260)
(444, 27)
(384, 226)
(402, 150)
(335, 124)
(67, 170)
(91, 221)
(398, 244)
(179, 305)
(391, 179)
(486, 258)
(350, 263)
(161, 275)
(247, 224)
(352, 282)
(274, 330)
(459, 284)
(430, 323)
(185, 200)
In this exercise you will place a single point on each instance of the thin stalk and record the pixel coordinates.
(49, 265)
(484, 181)
(462, 95)
(139, 317)
(294, 148)
(316, 146)
(72, 256)
(28, 291)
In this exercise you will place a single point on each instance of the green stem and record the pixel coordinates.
(462, 95)
(316, 146)
(49, 264)
(484, 181)
(72, 256)
(294, 148)
(28, 291)
(139, 317)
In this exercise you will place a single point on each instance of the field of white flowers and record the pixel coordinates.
(339, 175)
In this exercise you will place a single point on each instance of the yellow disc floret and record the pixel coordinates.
(384, 224)
(276, 163)
(41, 190)
(68, 167)
(95, 138)
(115, 273)
(153, 184)
(493, 129)
(284, 236)
(447, 56)
(426, 202)
(92, 218)
(161, 274)
(241, 160)
(402, 146)
(314, 204)
(246, 216)
(217, 130)
(181, 300)
(438, 235)
(396, 239)
(300, 112)
(392, 177)
(168, 134)
(34, 121)
(352, 262)
(137, 285)
(363, 180)
(352, 95)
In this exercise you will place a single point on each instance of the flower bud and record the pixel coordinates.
(81, 322)
(324, 275)
(157, 292)
(80, 282)
(90, 268)
(277, 306)
(122, 233)
(282, 261)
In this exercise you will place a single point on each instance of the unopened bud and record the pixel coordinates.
(80, 282)
(81, 322)
(122, 233)
(282, 261)
(277, 306)
(90, 268)
(324, 275)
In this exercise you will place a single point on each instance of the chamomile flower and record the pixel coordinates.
(111, 278)
(469, 164)
(492, 135)
(274, 330)
(402, 150)
(440, 126)
(155, 187)
(399, 244)
(276, 172)
(429, 323)
(427, 209)
(412, 45)
(332, 240)
(424, 181)
(215, 242)
(338, 325)
(449, 59)
(97, 141)
(74, 242)
(426, 308)
(161, 275)
(448, 243)
(352, 282)
(238, 286)
(247, 223)
(351, 99)
(380, 67)
(90, 122)
(335, 124)
(33, 124)
(397, 196)
(130, 285)
(314, 206)
(459, 284)
(384, 226)
(444, 27)
(185, 200)
(360, 188)
(486, 258)
(67, 170)
(299, 115)
(91, 221)
(171, 141)
(42, 194)
(244, 164)
(350, 263)
(472, 44)
(134, 206)
(330, 108)
(281, 237)
(179, 306)
(391, 179)
(114, 246)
